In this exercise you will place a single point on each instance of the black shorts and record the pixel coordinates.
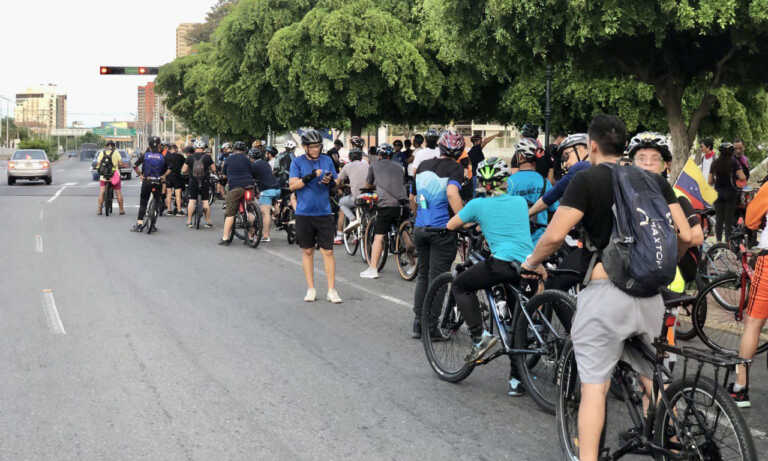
(203, 189)
(311, 230)
(385, 218)
(174, 181)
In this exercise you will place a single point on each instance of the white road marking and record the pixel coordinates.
(383, 296)
(92, 184)
(38, 243)
(52, 314)
(70, 184)
(56, 195)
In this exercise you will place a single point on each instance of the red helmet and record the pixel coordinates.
(451, 144)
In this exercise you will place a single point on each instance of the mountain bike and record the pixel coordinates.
(687, 418)
(365, 205)
(248, 225)
(405, 249)
(392, 243)
(533, 331)
(153, 207)
(108, 197)
(285, 218)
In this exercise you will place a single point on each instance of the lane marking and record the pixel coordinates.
(70, 184)
(362, 288)
(38, 243)
(56, 195)
(52, 313)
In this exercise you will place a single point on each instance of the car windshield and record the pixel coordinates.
(87, 154)
(124, 156)
(29, 155)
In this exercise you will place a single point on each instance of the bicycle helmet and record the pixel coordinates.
(311, 137)
(357, 142)
(240, 146)
(431, 135)
(110, 143)
(255, 153)
(527, 148)
(154, 141)
(385, 150)
(271, 150)
(491, 170)
(451, 144)
(226, 146)
(573, 140)
(355, 154)
(726, 148)
(649, 139)
(529, 130)
(198, 144)
(290, 145)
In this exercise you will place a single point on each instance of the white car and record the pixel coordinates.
(30, 164)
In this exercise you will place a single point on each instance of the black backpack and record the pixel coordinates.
(641, 256)
(198, 167)
(106, 167)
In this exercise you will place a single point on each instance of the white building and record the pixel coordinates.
(40, 108)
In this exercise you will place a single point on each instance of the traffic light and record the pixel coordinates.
(115, 70)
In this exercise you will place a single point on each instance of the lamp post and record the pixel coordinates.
(547, 106)
(7, 119)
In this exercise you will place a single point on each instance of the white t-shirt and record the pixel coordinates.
(706, 165)
(419, 156)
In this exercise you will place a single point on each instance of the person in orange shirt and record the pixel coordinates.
(757, 303)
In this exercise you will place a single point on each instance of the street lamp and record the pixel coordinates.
(7, 119)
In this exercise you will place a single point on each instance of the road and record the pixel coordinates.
(124, 346)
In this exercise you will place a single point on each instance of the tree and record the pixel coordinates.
(91, 138)
(50, 148)
(204, 31)
(14, 132)
(689, 53)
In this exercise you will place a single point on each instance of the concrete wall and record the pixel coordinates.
(5, 153)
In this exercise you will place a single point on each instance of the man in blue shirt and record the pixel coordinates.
(529, 184)
(312, 176)
(573, 153)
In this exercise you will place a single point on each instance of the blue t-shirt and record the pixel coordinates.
(313, 199)
(528, 184)
(554, 194)
(505, 225)
(152, 164)
(239, 171)
(432, 179)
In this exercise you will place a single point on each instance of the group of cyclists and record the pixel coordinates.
(528, 208)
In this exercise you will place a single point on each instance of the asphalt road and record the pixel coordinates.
(116, 345)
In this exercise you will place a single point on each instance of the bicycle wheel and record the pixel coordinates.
(351, 242)
(567, 405)
(198, 213)
(149, 223)
(684, 329)
(717, 327)
(407, 257)
(718, 261)
(108, 197)
(257, 226)
(370, 235)
(445, 357)
(702, 422)
(551, 313)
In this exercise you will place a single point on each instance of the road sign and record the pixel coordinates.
(122, 70)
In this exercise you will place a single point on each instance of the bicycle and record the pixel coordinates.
(405, 249)
(675, 424)
(108, 197)
(248, 225)
(724, 258)
(285, 219)
(394, 242)
(533, 331)
(365, 205)
(153, 211)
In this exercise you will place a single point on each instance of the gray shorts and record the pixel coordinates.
(605, 318)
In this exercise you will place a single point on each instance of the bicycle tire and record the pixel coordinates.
(567, 405)
(718, 327)
(685, 330)
(351, 242)
(405, 255)
(290, 229)
(449, 322)
(718, 261)
(148, 216)
(680, 392)
(257, 225)
(108, 197)
(370, 235)
(540, 376)
(198, 213)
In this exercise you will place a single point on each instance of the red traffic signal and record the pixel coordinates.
(120, 70)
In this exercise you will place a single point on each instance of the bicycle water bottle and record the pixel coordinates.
(422, 202)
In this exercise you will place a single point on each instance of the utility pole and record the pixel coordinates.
(547, 107)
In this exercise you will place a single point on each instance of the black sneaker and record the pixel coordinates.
(225, 242)
(416, 333)
(137, 228)
(741, 398)
(516, 388)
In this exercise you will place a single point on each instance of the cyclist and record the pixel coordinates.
(476, 151)
(111, 157)
(573, 154)
(530, 185)
(724, 173)
(335, 155)
(240, 172)
(605, 316)
(174, 181)
(707, 155)
(387, 175)
(269, 190)
(312, 177)
(153, 167)
(199, 165)
(226, 149)
(357, 172)
(284, 159)
(399, 154)
(438, 182)
(431, 151)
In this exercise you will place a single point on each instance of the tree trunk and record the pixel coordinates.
(357, 127)
(671, 96)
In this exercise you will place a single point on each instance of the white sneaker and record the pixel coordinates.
(333, 296)
(370, 273)
(352, 225)
(311, 295)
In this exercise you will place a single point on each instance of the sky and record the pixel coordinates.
(65, 42)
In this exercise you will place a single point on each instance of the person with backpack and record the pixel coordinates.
(153, 167)
(621, 298)
(199, 165)
(107, 164)
(174, 181)
(356, 171)
(725, 175)
(530, 185)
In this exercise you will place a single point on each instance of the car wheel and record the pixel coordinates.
(129, 176)
(11, 181)
(49, 180)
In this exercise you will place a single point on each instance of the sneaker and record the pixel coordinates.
(436, 335)
(370, 273)
(338, 240)
(311, 295)
(482, 346)
(208, 225)
(137, 228)
(515, 388)
(169, 213)
(333, 296)
(416, 333)
(352, 225)
(266, 239)
(741, 398)
(190, 225)
(224, 242)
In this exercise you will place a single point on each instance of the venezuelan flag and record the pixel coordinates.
(694, 186)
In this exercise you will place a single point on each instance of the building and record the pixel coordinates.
(183, 46)
(146, 108)
(41, 109)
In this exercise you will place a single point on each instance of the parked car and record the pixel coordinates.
(126, 165)
(29, 164)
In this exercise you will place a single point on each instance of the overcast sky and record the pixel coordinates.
(65, 42)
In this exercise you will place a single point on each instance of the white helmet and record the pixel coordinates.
(199, 144)
(290, 145)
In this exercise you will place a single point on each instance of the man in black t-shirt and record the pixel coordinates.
(174, 181)
(199, 165)
(605, 316)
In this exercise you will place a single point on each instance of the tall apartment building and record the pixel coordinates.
(41, 109)
(183, 47)
(146, 107)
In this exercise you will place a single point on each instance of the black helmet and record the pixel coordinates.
(154, 141)
(357, 141)
(271, 150)
(255, 153)
(355, 154)
(240, 146)
(431, 135)
(529, 130)
(726, 148)
(385, 150)
(311, 137)
(110, 143)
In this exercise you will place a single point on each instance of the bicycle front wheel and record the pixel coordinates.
(108, 197)
(702, 422)
(718, 328)
(256, 228)
(567, 404)
(407, 258)
(718, 261)
(551, 313)
(351, 242)
(446, 353)
(198, 213)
